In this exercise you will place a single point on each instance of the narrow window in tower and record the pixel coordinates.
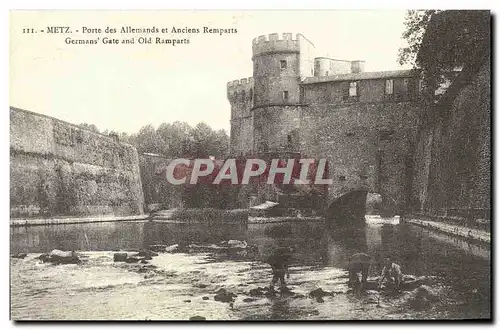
(326, 73)
(251, 94)
(285, 96)
(353, 88)
(389, 87)
(283, 64)
(243, 96)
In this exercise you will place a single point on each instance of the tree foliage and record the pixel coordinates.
(441, 42)
(179, 139)
(416, 22)
(175, 140)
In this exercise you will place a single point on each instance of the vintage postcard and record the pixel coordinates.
(250, 165)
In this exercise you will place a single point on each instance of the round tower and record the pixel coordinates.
(279, 64)
(276, 70)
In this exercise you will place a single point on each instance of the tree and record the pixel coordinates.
(442, 42)
(416, 22)
(176, 137)
(148, 140)
(207, 142)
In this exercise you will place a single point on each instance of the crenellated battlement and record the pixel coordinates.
(275, 42)
(240, 83)
(237, 86)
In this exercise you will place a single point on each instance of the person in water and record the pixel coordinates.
(392, 272)
(358, 263)
(279, 262)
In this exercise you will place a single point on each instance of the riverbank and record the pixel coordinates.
(73, 220)
(202, 216)
(467, 233)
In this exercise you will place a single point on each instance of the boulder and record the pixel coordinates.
(44, 257)
(237, 244)
(223, 295)
(197, 318)
(19, 255)
(171, 248)
(248, 299)
(146, 254)
(60, 257)
(205, 298)
(120, 256)
(158, 248)
(62, 254)
(133, 260)
(319, 293)
(422, 297)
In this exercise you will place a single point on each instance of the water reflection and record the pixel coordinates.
(465, 267)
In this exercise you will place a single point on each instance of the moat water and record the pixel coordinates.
(180, 285)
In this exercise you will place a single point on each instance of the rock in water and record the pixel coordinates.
(172, 248)
(422, 298)
(120, 256)
(44, 257)
(224, 296)
(19, 255)
(237, 244)
(158, 247)
(63, 257)
(197, 318)
(319, 293)
(147, 254)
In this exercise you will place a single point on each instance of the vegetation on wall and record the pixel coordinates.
(443, 42)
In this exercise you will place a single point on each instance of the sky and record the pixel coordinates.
(125, 87)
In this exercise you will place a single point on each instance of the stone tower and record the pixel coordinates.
(240, 95)
(280, 62)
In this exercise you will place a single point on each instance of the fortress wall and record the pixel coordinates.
(157, 190)
(276, 128)
(453, 161)
(361, 154)
(59, 169)
(241, 136)
(370, 90)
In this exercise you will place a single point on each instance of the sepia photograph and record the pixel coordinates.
(250, 165)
